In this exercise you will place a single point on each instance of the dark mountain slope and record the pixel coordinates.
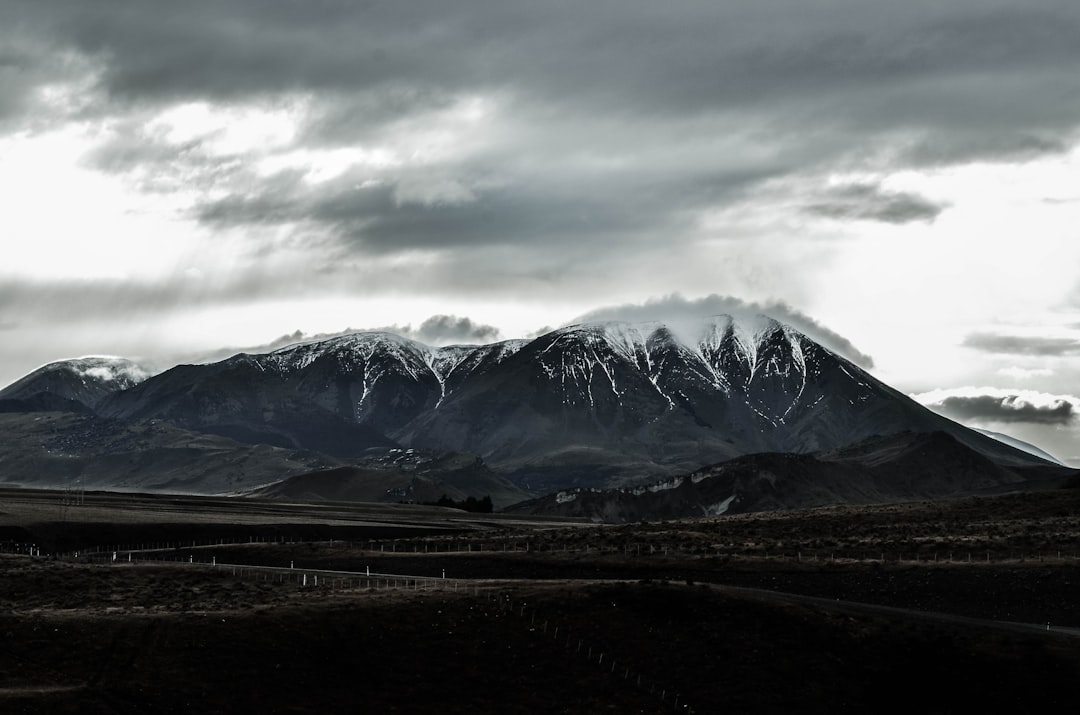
(44, 402)
(902, 467)
(401, 475)
(306, 401)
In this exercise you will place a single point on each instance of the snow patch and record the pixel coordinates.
(661, 486)
(720, 507)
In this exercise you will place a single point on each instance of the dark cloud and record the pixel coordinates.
(444, 329)
(1010, 408)
(610, 129)
(835, 83)
(416, 209)
(29, 62)
(674, 307)
(872, 203)
(372, 218)
(696, 54)
(1018, 345)
(439, 330)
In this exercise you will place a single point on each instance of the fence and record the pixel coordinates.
(316, 579)
(632, 550)
(604, 658)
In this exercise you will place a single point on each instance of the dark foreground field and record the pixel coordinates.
(538, 619)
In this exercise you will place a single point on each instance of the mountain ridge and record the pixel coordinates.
(881, 469)
(604, 404)
(622, 400)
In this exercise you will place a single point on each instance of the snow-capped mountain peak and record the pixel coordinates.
(86, 380)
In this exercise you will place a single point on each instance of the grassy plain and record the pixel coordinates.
(875, 609)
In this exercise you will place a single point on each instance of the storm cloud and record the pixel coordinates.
(508, 123)
(1023, 345)
(987, 405)
(443, 329)
(869, 202)
(1007, 409)
(628, 54)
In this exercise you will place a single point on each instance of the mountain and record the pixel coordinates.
(600, 404)
(85, 381)
(882, 469)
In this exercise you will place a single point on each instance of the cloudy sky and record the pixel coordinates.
(898, 178)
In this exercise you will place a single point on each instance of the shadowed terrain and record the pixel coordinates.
(539, 616)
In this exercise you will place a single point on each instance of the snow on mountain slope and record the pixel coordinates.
(454, 364)
(86, 380)
(350, 352)
(591, 403)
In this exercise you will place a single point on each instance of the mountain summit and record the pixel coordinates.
(592, 404)
(86, 381)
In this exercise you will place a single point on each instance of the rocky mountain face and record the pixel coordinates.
(882, 469)
(606, 404)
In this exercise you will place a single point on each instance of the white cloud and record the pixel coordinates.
(227, 130)
(321, 165)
